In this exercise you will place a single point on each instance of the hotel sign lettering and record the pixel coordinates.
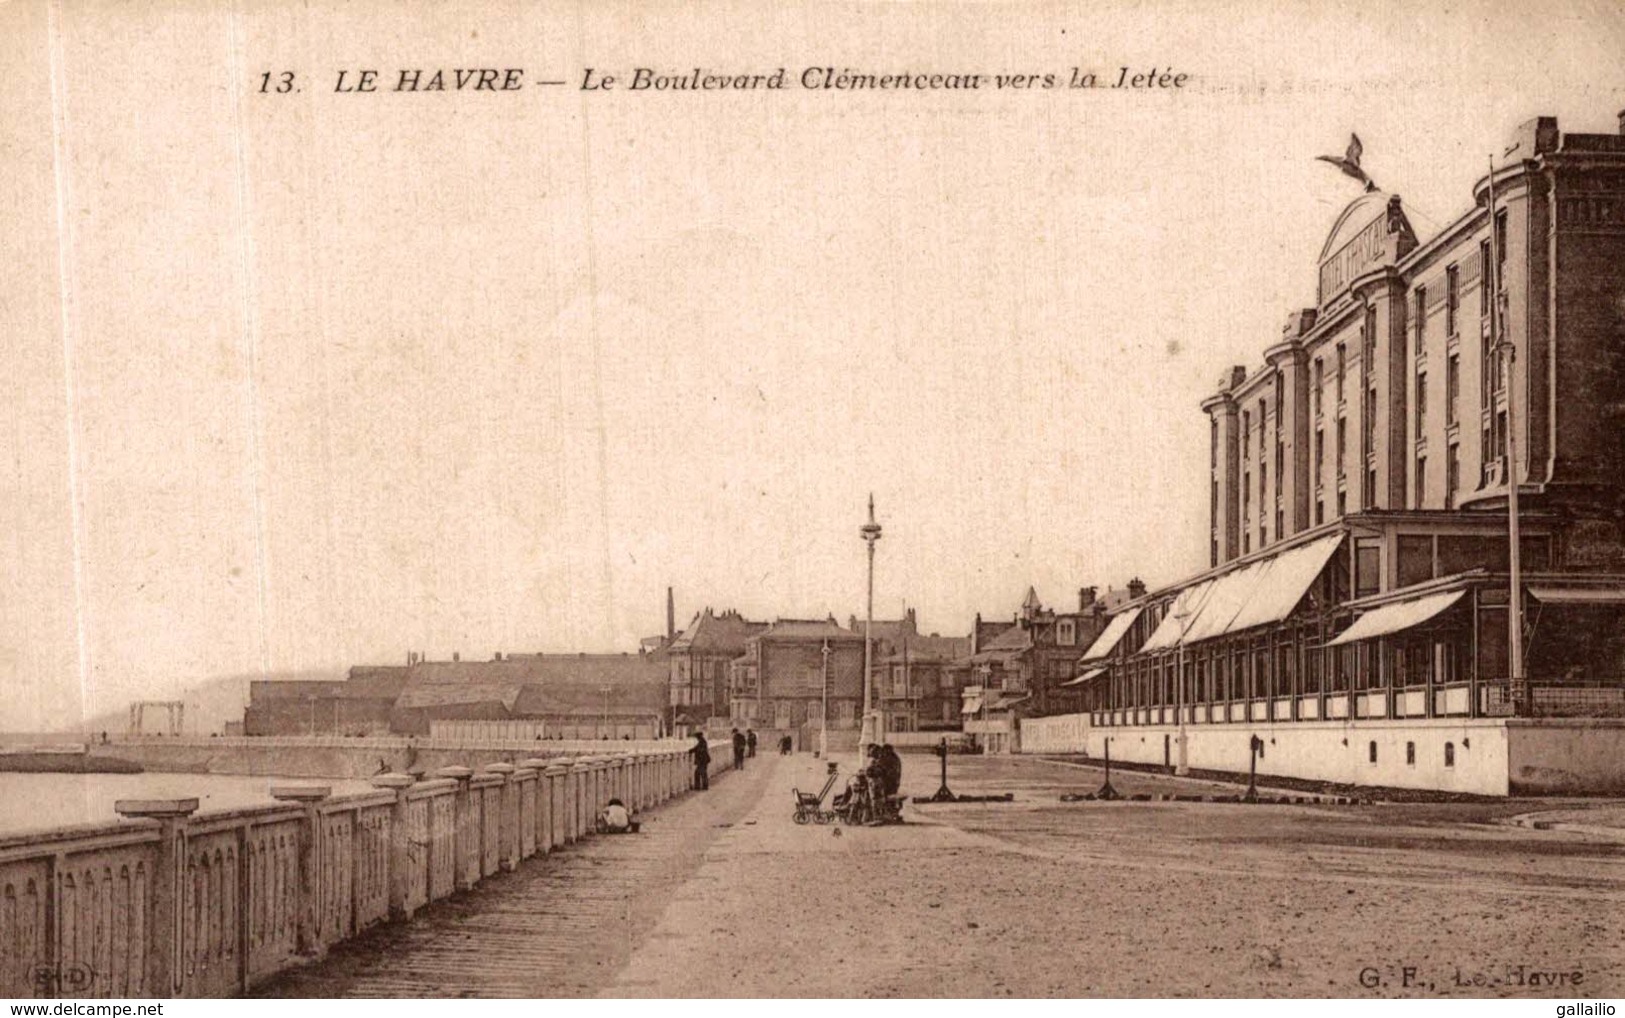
(1348, 262)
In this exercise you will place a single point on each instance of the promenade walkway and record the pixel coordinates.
(724, 896)
(558, 926)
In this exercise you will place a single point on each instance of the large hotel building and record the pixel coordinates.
(1353, 624)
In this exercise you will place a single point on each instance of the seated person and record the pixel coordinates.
(616, 819)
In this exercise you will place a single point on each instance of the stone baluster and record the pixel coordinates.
(558, 779)
(466, 864)
(310, 860)
(400, 843)
(164, 956)
(508, 851)
(580, 776)
(542, 815)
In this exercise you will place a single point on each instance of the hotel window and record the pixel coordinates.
(1367, 566)
(1342, 504)
(1066, 633)
(1410, 753)
(1371, 488)
(1450, 754)
(1320, 511)
(1320, 383)
(1342, 445)
(1371, 752)
(1368, 424)
(1320, 456)
(1213, 444)
(1452, 475)
(1452, 299)
(1342, 370)
(1421, 480)
(1500, 251)
(1484, 279)
(1452, 388)
(1263, 412)
(1421, 319)
(1421, 404)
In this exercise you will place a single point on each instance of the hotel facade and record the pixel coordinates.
(1353, 622)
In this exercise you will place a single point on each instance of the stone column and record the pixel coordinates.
(310, 861)
(164, 955)
(467, 839)
(400, 843)
(580, 778)
(557, 776)
(544, 803)
(508, 852)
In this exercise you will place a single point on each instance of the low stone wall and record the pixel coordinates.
(331, 756)
(1451, 755)
(172, 904)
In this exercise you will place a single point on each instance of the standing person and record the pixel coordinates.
(739, 750)
(702, 762)
(750, 742)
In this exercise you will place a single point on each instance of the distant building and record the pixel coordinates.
(779, 683)
(918, 684)
(698, 659)
(557, 695)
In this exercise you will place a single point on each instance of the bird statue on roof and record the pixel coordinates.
(1349, 162)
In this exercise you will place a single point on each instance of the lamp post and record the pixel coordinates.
(1183, 615)
(823, 712)
(870, 532)
(1501, 346)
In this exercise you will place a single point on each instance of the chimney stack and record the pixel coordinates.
(1086, 597)
(671, 616)
(1136, 588)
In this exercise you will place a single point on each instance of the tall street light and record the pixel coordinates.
(870, 532)
(1182, 615)
(823, 713)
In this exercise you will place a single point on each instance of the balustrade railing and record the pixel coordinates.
(173, 903)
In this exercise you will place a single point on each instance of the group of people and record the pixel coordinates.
(880, 779)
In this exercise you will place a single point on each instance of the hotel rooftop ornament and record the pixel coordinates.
(1349, 163)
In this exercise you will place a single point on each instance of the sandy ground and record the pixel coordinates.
(1040, 898)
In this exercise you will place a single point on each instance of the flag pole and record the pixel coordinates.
(1501, 346)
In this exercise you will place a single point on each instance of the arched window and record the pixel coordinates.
(1450, 754)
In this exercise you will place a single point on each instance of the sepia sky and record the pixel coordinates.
(298, 381)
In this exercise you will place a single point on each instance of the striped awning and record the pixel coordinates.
(1112, 635)
(1397, 617)
(1088, 676)
(1578, 595)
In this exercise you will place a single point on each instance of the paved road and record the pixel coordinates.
(725, 896)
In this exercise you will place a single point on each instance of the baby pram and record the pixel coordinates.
(810, 808)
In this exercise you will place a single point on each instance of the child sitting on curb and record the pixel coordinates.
(615, 818)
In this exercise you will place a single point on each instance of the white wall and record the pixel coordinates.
(1565, 756)
(1337, 751)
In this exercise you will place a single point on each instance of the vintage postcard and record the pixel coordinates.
(859, 499)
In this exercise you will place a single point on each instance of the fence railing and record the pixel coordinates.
(171, 903)
(1580, 697)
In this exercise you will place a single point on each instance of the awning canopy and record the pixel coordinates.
(1256, 594)
(1397, 617)
(1088, 676)
(1112, 635)
(971, 705)
(1577, 595)
(1181, 614)
(1290, 576)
